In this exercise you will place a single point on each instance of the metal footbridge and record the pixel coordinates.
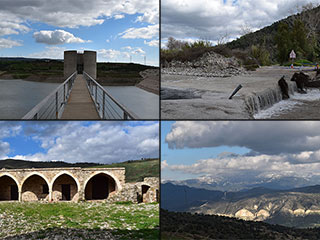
(80, 97)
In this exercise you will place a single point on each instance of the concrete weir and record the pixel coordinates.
(194, 97)
(74, 184)
(267, 98)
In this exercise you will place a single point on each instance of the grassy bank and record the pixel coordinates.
(138, 169)
(86, 220)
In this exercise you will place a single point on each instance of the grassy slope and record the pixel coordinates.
(139, 169)
(40, 220)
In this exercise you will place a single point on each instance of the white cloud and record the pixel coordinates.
(164, 164)
(148, 32)
(109, 53)
(8, 43)
(73, 14)
(263, 137)
(215, 18)
(52, 52)
(103, 142)
(56, 37)
(152, 43)
(118, 16)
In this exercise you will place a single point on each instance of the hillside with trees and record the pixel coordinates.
(198, 226)
(269, 45)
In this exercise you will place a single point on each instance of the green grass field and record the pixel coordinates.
(84, 220)
(138, 169)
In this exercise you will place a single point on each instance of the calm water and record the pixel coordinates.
(17, 97)
(142, 103)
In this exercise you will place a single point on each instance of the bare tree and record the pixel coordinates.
(245, 29)
(223, 38)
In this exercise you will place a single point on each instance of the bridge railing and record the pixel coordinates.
(107, 106)
(53, 105)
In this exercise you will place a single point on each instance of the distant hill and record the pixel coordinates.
(267, 34)
(188, 226)
(298, 207)
(19, 164)
(139, 169)
(52, 70)
(136, 170)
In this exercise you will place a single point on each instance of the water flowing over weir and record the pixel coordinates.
(267, 98)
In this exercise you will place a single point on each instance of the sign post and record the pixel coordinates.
(292, 56)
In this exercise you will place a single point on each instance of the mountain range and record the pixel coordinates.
(297, 207)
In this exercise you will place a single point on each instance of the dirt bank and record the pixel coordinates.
(151, 81)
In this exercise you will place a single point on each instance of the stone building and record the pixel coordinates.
(74, 184)
(86, 61)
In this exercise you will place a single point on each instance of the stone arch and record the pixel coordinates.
(35, 187)
(9, 188)
(65, 187)
(144, 191)
(100, 185)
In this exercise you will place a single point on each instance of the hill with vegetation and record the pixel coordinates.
(137, 170)
(198, 226)
(20, 164)
(269, 45)
(49, 70)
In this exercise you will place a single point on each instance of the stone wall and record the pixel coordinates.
(76, 177)
(30, 184)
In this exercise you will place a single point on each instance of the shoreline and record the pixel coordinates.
(148, 85)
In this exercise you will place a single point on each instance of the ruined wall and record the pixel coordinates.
(30, 184)
(132, 192)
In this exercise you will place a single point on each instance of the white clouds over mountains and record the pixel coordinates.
(285, 148)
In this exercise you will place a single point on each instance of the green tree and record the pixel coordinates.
(284, 42)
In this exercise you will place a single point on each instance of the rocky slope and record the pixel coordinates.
(289, 208)
(210, 64)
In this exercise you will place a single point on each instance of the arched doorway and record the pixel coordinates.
(99, 186)
(144, 190)
(64, 188)
(35, 188)
(8, 189)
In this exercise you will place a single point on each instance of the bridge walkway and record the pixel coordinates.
(80, 104)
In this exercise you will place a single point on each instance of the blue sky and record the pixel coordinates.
(188, 156)
(115, 29)
(233, 150)
(79, 141)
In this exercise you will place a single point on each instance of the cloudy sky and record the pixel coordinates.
(214, 19)
(77, 141)
(224, 150)
(116, 29)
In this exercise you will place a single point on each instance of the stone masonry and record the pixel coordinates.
(74, 184)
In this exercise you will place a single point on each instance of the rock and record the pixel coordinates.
(210, 64)
(244, 214)
(174, 93)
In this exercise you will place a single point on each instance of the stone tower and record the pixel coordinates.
(80, 62)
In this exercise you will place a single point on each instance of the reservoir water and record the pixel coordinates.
(17, 97)
(142, 103)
